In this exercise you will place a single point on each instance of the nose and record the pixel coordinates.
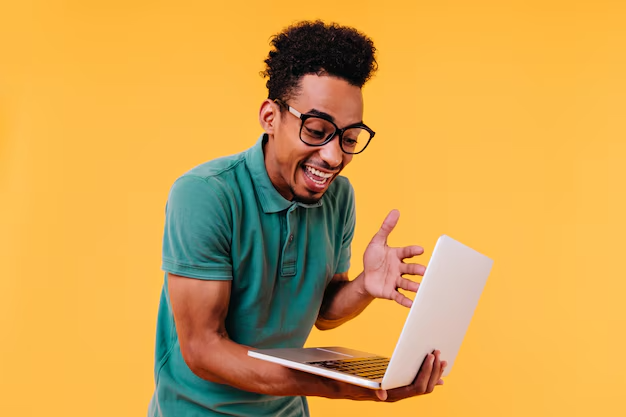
(331, 153)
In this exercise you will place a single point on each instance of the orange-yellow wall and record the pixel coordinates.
(499, 123)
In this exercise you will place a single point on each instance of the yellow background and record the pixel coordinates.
(501, 124)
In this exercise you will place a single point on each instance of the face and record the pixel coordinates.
(298, 171)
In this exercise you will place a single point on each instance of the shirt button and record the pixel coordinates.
(290, 238)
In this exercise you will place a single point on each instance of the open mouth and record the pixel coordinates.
(317, 179)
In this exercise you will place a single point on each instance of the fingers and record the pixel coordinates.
(443, 368)
(410, 251)
(401, 299)
(412, 269)
(428, 377)
(435, 374)
(423, 377)
(407, 284)
(390, 222)
(381, 394)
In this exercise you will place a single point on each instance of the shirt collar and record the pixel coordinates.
(271, 200)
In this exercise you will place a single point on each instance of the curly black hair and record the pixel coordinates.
(313, 47)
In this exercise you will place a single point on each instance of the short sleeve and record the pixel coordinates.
(348, 232)
(198, 230)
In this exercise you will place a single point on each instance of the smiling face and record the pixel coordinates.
(298, 171)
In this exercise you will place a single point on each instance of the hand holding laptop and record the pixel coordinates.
(427, 378)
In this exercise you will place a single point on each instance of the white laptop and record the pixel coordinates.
(438, 319)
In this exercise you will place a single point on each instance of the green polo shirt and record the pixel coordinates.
(226, 221)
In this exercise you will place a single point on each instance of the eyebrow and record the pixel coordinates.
(315, 112)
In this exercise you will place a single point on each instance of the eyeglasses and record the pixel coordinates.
(318, 130)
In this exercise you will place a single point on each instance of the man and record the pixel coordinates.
(257, 245)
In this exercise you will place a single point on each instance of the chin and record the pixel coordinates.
(307, 196)
(308, 199)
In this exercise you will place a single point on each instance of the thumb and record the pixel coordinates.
(381, 394)
(390, 222)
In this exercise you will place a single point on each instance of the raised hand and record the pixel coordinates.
(384, 266)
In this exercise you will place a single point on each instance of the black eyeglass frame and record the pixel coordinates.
(305, 117)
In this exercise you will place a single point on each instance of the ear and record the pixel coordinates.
(269, 116)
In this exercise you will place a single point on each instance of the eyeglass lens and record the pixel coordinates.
(315, 131)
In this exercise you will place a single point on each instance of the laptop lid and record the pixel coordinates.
(441, 311)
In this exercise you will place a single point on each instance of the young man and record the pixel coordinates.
(257, 245)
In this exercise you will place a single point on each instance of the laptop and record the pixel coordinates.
(438, 319)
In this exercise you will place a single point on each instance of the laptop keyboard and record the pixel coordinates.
(370, 368)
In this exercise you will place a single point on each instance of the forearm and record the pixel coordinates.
(223, 361)
(343, 301)
(200, 309)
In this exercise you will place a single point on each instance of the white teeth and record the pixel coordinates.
(319, 173)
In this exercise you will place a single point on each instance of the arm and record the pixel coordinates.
(383, 275)
(343, 301)
(200, 309)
